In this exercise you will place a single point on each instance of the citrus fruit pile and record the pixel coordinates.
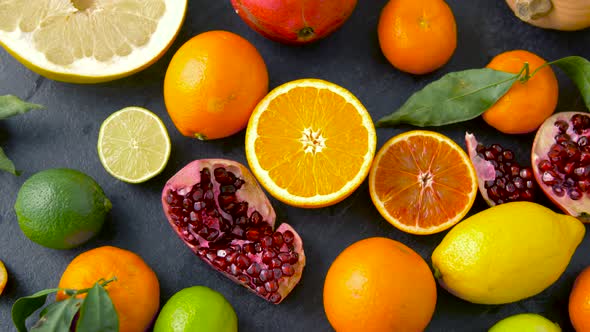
(310, 144)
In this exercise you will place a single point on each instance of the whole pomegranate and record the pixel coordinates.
(561, 162)
(501, 179)
(218, 209)
(294, 21)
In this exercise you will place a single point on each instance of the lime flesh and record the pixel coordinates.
(133, 145)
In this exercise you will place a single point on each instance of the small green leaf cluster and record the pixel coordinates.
(96, 312)
(11, 106)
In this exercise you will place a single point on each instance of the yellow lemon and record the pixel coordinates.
(506, 253)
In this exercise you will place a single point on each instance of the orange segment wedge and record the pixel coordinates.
(310, 143)
(422, 182)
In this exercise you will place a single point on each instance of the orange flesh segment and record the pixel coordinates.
(421, 182)
(329, 116)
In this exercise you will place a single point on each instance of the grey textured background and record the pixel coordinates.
(65, 135)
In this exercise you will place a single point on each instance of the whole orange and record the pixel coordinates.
(579, 303)
(379, 284)
(135, 293)
(213, 83)
(417, 36)
(526, 105)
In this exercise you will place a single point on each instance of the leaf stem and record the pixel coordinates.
(102, 283)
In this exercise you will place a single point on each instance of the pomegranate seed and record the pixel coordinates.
(549, 178)
(266, 242)
(271, 286)
(261, 290)
(238, 232)
(562, 138)
(288, 237)
(254, 269)
(526, 173)
(238, 183)
(582, 172)
(221, 253)
(228, 189)
(211, 255)
(205, 176)
(558, 191)
(240, 211)
(257, 282)
(501, 182)
(265, 275)
(284, 256)
(249, 248)
(294, 258)
(252, 235)
(514, 171)
(209, 195)
(496, 148)
(199, 206)
(225, 199)
(527, 195)
(257, 247)
(545, 165)
(231, 258)
(244, 279)
(241, 221)
(287, 270)
(489, 155)
(198, 194)
(243, 261)
(235, 270)
(277, 239)
(268, 256)
(275, 262)
(480, 148)
(582, 141)
(575, 194)
(518, 183)
(508, 155)
(585, 158)
(277, 273)
(255, 218)
(562, 125)
(275, 298)
(510, 188)
(220, 263)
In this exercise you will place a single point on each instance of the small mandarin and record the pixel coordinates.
(213, 83)
(526, 105)
(417, 36)
(135, 293)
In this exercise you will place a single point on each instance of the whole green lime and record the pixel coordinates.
(61, 208)
(525, 323)
(197, 309)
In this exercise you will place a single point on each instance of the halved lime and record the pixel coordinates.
(133, 145)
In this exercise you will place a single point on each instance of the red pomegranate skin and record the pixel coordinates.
(294, 21)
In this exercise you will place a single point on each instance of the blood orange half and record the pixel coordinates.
(422, 182)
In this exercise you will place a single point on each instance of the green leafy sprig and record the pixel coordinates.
(96, 312)
(465, 95)
(11, 106)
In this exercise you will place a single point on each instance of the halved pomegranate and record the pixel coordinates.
(501, 179)
(561, 162)
(218, 209)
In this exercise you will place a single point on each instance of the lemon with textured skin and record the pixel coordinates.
(89, 41)
(506, 253)
(525, 323)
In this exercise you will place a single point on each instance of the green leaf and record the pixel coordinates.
(6, 164)
(456, 97)
(11, 106)
(578, 70)
(25, 306)
(98, 312)
(58, 316)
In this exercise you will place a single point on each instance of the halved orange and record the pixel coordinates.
(310, 143)
(422, 182)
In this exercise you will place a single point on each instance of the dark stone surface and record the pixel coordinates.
(65, 135)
